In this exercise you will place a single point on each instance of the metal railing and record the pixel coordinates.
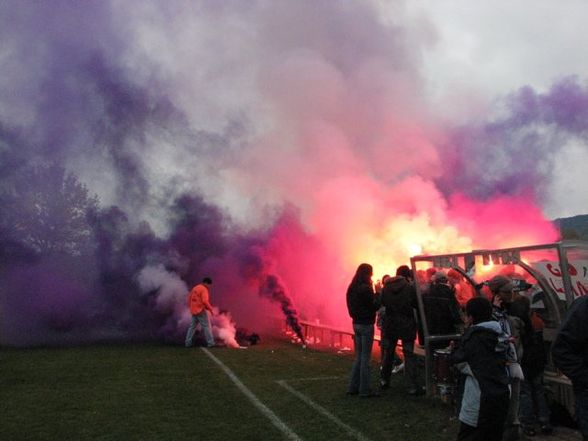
(315, 333)
(323, 335)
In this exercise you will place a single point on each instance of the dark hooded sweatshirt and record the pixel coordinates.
(570, 348)
(399, 298)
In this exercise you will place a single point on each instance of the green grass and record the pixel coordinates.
(154, 392)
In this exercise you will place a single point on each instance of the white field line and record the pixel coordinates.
(350, 430)
(276, 421)
(292, 380)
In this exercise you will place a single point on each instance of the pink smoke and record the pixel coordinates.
(281, 152)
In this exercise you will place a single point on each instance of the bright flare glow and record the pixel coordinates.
(414, 249)
(403, 237)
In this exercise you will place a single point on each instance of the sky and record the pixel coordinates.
(321, 134)
(483, 51)
(492, 48)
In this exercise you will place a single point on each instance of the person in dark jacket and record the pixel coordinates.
(502, 289)
(384, 344)
(481, 356)
(570, 355)
(441, 309)
(362, 305)
(533, 361)
(399, 299)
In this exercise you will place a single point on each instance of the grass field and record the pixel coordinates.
(156, 392)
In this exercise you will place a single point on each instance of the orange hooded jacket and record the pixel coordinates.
(198, 299)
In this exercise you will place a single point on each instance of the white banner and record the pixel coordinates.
(578, 271)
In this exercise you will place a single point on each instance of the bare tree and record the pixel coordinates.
(45, 209)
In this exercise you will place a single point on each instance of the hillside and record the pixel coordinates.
(575, 227)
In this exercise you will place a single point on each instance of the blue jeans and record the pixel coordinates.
(582, 411)
(204, 320)
(533, 394)
(359, 381)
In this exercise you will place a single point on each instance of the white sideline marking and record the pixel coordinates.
(350, 430)
(276, 421)
(332, 377)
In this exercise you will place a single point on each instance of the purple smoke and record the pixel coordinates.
(512, 154)
(162, 111)
(110, 290)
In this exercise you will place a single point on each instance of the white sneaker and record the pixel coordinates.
(397, 368)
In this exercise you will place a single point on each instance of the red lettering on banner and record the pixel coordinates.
(582, 289)
(555, 271)
(555, 288)
(572, 271)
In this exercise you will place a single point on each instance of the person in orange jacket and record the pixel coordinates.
(199, 304)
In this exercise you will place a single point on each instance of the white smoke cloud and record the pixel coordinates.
(171, 289)
(171, 298)
(569, 174)
(224, 328)
(339, 109)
